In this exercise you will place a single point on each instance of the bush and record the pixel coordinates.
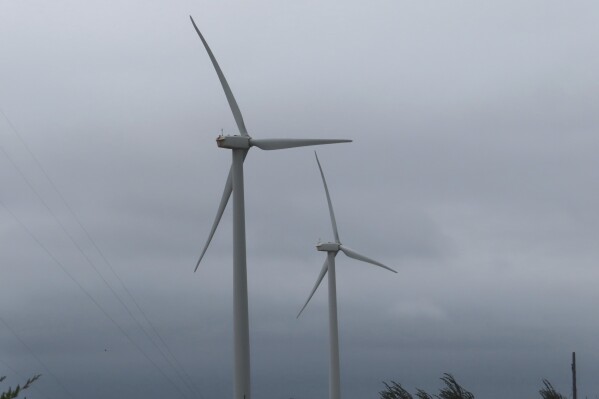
(451, 390)
(394, 391)
(549, 392)
(13, 393)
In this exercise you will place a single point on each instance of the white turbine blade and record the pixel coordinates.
(279, 144)
(221, 209)
(223, 82)
(326, 190)
(323, 272)
(353, 254)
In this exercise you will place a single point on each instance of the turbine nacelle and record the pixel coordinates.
(233, 142)
(329, 247)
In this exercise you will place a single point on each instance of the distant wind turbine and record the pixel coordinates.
(240, 146)
(331, 248)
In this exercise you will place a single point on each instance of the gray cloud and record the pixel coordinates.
(472, 172)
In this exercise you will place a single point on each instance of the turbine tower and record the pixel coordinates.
(332, 248)
(240, 145)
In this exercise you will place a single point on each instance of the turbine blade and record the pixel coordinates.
(353, 254)
(219, 213)
(323, 272)
(326, 190)
(221, 209)
(279, 144)
(223, 82)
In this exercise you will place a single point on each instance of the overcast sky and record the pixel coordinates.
(473, 172)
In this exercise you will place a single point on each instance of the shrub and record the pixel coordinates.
(13, 393)
(451, 390)
(549, 392)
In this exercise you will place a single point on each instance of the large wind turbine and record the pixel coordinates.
(332, 248)
(240, 146)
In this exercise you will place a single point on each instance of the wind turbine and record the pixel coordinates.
(240, 145)
(332, 248)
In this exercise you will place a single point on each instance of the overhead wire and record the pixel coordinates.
(91, 263)
(90, 296)
(87, 258)
(179, 369)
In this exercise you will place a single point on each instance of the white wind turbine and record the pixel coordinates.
(240, 146)
(331, 248)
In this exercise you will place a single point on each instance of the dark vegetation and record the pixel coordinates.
(13, 393)
(548, 392)
(451, 389)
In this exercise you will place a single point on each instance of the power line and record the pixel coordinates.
(91, 298)
(180, 370)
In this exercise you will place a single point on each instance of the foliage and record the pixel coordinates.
(549, 392)
(394, 391)
(13, 393)
(451, 390)
(420, 394)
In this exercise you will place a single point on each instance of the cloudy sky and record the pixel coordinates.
(473, 172)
